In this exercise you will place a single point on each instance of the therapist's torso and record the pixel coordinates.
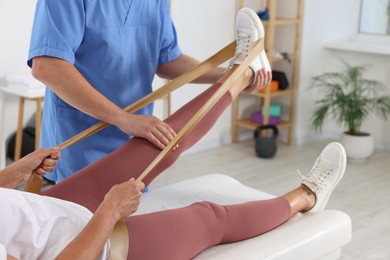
(117, 46)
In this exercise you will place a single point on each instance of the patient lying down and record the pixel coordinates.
(74, 218)
(42, 227)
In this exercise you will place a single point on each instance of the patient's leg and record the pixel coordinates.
(182, 233)
(89, 186)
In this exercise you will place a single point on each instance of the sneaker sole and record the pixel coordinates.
(255, 19)
(260, 29)
(343, 165)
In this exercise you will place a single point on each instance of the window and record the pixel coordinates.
(372, 33)
(374, 20)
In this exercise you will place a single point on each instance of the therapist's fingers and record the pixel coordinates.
(164, 133)
(263, 79)
(151, 128)
(158, 135)
(159, 139)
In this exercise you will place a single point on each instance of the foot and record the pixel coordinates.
(249, 30)
(326, 173)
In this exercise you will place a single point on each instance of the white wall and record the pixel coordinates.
(200, 35)
(204, 27)
(327, 21)
(15, 26)
(322, 22)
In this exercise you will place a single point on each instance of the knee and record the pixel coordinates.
(218, 211)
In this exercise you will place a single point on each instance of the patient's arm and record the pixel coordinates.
(10, 257)
(40, 161)
(115, 206)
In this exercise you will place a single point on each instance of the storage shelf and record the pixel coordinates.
(249, 124)
(283, 21)
(272, 94)
(292, 56)
(266, 98)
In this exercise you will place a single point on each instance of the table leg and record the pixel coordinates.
(234, 133)
(19, 132)
(2, 142)
(38, 122)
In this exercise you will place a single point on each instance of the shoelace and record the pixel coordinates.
(317, 176)
(242, 48)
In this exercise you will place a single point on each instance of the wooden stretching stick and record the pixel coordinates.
(204, 67)
(119, 237)
(205, 108)
(119, 241)
(34, 184)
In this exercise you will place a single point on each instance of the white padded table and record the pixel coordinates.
(305, 236)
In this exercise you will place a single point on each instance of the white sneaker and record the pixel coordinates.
(326, 173)
(249, 30)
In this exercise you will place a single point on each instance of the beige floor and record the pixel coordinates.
(364, 192)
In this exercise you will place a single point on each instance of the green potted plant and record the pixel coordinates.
(349, 98)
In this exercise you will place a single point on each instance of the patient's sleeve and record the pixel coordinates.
(3, 253)
(38, 227)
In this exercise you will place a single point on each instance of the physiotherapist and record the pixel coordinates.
(96, 58)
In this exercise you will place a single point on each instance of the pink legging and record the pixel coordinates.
(179, 233)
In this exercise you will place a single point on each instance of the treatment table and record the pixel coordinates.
(308, 236)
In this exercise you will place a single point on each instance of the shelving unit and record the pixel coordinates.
(266, 97)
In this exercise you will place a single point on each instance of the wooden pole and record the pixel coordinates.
(205, 108)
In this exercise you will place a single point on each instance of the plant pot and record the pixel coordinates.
(358, 146)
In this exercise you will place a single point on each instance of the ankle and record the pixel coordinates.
(241, 84)
(309, 197)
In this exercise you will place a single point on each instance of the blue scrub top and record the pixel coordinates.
(117, 46)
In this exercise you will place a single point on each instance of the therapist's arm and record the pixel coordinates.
(185, 63)
(68, 83)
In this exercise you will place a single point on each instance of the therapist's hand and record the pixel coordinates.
(263, 79)
(149, 127)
